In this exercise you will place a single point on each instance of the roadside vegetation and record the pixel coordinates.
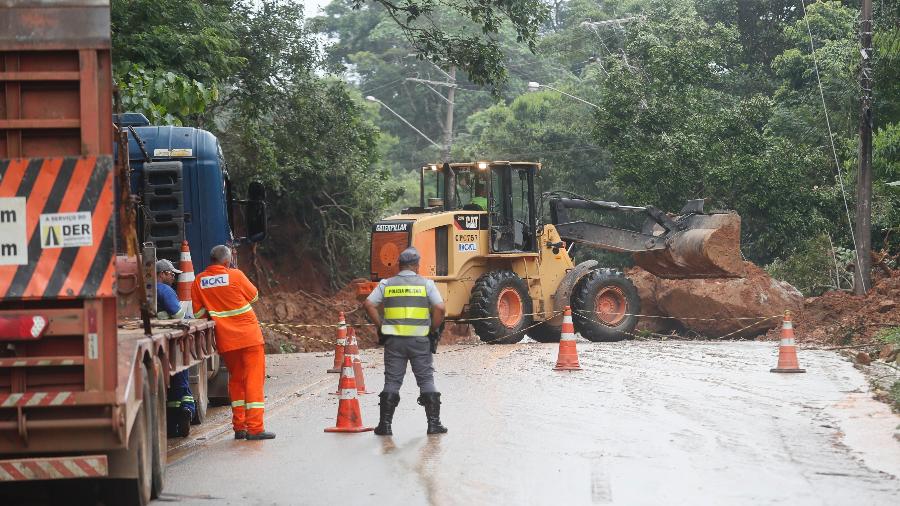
(714, 99)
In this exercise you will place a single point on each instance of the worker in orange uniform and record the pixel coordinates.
(226, 295)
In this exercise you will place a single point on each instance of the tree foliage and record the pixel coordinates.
(474, 45)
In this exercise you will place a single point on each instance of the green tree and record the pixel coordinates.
(171, 57)
(678, 128)
(473, 46)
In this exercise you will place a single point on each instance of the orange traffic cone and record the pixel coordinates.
(351, 350)
(349, 419)
(787, 350)
(186, 278)
(339, 344)
(568, 353)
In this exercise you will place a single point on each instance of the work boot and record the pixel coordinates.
(260, 435)
(388, 404)
(432, 403)
(172, 422)
(240, 434)
(184, 422)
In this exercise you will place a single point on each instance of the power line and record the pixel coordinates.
(837, 163)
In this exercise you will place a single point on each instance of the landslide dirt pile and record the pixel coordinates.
(299, 307)
(839, 318)
(716, 307)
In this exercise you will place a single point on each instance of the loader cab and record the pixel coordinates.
(503, 190)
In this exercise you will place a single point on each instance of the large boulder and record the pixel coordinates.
(719, 307)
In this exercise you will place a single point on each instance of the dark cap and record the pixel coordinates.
(409, 256)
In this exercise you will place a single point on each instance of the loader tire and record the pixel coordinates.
(500, 307)
(545, 333)
(605, 305)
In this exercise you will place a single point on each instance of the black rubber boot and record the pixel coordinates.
(388, 404)
(184, 422)
(432, 403)
(260, 435)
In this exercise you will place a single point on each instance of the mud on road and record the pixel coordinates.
(643, 423)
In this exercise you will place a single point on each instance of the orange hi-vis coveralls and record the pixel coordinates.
(225, 296)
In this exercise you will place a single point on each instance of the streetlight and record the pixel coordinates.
(370, 98)
(533, 86)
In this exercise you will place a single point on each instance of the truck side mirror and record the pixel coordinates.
(256, 212)
(256, 191)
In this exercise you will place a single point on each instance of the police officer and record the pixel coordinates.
(411, 316)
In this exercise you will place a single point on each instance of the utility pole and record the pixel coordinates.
(862, 281)
(448, 122)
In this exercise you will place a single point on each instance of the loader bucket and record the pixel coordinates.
(709, 247)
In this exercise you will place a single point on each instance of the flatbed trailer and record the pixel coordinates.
(83, 369)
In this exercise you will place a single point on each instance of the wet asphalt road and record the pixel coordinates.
(643, 423)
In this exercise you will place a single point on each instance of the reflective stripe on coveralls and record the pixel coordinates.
(407, 311)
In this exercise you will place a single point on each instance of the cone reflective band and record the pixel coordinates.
(349, 418)
(567, 360)
(339, 344)
(787, 349)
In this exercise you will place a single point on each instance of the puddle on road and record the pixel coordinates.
(868, 427)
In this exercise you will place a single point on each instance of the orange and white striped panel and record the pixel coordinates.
(59, 213)
(54, 468)
(28, 399)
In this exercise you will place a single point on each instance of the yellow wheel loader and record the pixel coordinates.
(478, 230)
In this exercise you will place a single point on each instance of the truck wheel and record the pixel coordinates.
(160, 442)
(501, 307)
(545, 333)
(605, 306)
(135, 491)
(199, 380)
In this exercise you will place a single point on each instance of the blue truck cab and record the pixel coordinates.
(181, 179)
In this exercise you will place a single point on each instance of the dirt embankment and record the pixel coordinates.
(840, 318)
(296, 293)
(321, 312)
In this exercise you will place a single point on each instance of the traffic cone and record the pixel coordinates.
(568, 353)
(352, 350)
(186, 278)
(787, 350)
(339, 344)
(349, 419)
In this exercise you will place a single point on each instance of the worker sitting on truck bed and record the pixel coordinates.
(225, 294)
(180, 405)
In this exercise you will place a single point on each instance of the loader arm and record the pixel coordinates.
(693, 244)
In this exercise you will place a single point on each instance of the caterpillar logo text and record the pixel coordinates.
(391, 227)
(214, 281)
